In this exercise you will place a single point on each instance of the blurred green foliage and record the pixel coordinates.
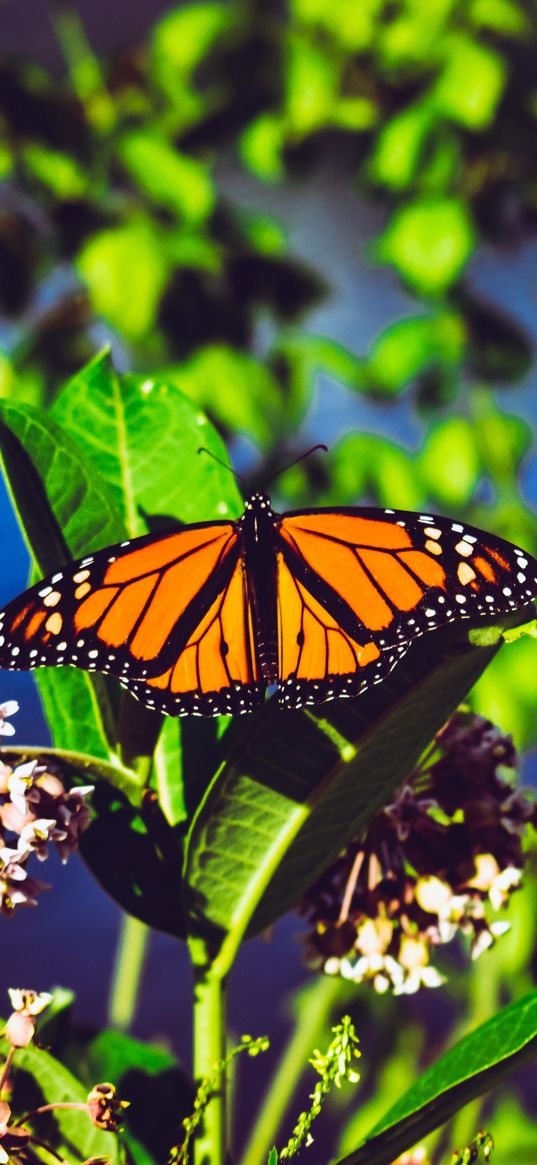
(114, 228)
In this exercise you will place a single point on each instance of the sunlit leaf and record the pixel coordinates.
(429, 241)
(169, 178)
(507, 694)
(471, 82)
(266, 234)
(183, 37)
(398, 146)
(6, 161)
(235, 387)
(106, 263)
(354, 113)
(470, 1068)
(503, 16)
(411, 345)
(366, 468)
(261, 147)
(399, 42)
(45, 470)
(353, 25)
(137, 430)
(449, 462)
(59, 172)
(312, 79)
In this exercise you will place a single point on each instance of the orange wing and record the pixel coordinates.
(168, 614)
(356, 586)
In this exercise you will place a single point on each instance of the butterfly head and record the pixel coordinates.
(258, 503)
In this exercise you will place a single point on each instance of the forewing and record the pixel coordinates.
(167, 614)
(358, 585)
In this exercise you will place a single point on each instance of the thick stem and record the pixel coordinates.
(129, 963)
(209, 1050)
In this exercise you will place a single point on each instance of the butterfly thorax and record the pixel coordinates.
(258, 528)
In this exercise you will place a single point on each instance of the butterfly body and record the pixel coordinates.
(321, 603)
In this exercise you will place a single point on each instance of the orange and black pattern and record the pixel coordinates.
(321, 603)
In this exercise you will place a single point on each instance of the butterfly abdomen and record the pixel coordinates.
(260, 568)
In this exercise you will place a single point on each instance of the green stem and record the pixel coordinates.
(127, 972)
(315, 1007)
(209, 1050)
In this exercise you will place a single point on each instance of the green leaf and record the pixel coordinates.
(261, 146)
(501, 16)
(364, 466)
(169, 178)
(449, 462)
(273, 1157)
(410, 346)
(235, 387)
(60, 172)
(312, 82)
(429, 241)
(507, 693)
(474, 1065)
(399, 145)
(182, 38)
(471, 83)
(136, 431)
(105, 262)
(137, 859)
(301, 786)
(78, 1137)
(353, 25)
(167, 776)
(45, 473)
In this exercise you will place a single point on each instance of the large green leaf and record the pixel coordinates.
(301, 786)
(78, 1137)
(473, 1066)
(64, 509)
(143, 436)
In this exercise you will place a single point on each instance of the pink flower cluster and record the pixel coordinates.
(35, 810)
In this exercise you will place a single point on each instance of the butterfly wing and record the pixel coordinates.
(356, 586)
(168, 614)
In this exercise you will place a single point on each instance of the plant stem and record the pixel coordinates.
(209, 1050)
(315, 1006)
(127, 972)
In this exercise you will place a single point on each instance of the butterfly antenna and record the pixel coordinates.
(297, 461)
(237, 476)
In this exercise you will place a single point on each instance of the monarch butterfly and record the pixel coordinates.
(320, 602)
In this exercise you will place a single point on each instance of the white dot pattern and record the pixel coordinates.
(483, 577)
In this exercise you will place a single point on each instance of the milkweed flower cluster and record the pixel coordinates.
(35, 810)
(444, 853)
(102, 1106)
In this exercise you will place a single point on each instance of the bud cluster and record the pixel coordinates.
(445, 852)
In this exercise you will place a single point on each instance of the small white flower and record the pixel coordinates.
(502, 885)
(20, 782)
(420, 977)
(487, 937)
(8, 708)
(29, 1002)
